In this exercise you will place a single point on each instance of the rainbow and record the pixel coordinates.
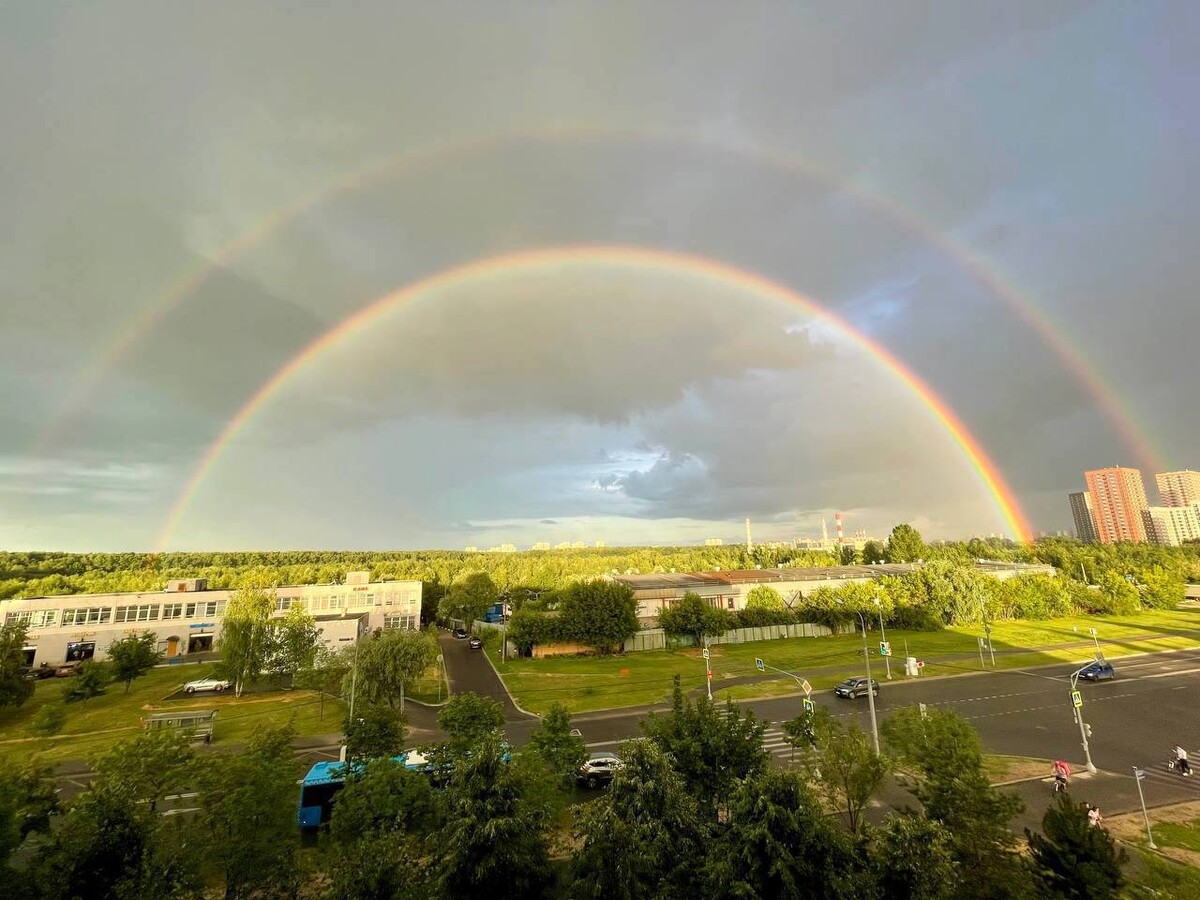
(970, 263)
(524, 262)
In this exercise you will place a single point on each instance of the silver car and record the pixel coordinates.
(205, 684)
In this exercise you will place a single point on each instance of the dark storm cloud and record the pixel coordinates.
(1055, 139)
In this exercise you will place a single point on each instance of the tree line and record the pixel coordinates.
(697, 810)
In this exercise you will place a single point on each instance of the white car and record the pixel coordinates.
(205, 684)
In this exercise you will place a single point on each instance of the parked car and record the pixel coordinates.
(853, 688)
(45, 670)
(598, 770)
(205, 684)
(460, 633)
(1099, 671)
(65, 670)
(475, 644)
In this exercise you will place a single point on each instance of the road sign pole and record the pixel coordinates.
(870, 692)
(981, 664)
(1138, 775)
(707, 671)
(1077, 702)
(887, 661)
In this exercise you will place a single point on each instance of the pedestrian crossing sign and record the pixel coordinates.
(885, 648)
(808, 705)
(760, 665)
(1077, 699)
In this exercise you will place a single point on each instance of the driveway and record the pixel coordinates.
(470, 672)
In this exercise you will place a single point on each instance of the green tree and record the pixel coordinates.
(385, 798)
(691, 615)
(873, 553)
(148, 767)
(470, 598)
(711, 749)
(296, 642)
(1072, 858)
(913, 859)
(562, 751)
(248, 816)
(905, 545)
(599, 614)
(645, 837)
(764, 597)
(89, 680)
(326, 676)
(109, 846)
(134, 656)
(247, 637)
(15, 689)
(1162, 589)
(1120, 596)
(375, 732)
(387, 865)
(494, 842)
(945, 755)
(27, 801)
(391, 659)
(846, 769)
(801, 732)
(779, 843)
(469, 720)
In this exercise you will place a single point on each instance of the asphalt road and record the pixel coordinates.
(1136, 719)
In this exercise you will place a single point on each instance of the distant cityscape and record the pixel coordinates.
(1114, 508)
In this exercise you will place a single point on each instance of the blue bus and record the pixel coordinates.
(326, 779)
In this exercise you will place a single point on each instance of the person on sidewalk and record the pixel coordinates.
(1094, 817)
(1181, 761)
(1062, 772)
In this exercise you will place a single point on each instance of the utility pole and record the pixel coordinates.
(1077, 703)
(870, 688)
(1099, 655)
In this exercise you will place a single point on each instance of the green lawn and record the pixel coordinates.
(98, 723)
(591, 683)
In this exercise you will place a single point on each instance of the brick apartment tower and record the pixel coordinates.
(1118, 499)
(1085, 521)
(1179, 488)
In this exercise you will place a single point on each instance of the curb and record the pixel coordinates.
(511, 699)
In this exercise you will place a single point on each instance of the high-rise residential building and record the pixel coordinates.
(1178, 488)
(1081, 512)
(1118, 499)
(1172, 525)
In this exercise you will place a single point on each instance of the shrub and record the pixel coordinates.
(49, 719)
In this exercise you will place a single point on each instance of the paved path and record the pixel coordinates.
(470, 672)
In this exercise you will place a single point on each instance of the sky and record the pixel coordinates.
(195, 193)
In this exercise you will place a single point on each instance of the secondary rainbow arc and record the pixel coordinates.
(601, 255)
(970, 262)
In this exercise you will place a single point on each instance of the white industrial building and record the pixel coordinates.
(186, 616)
(729, 590)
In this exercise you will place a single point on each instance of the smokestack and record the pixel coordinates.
(824, 534)
(749, 543)
(841, 535)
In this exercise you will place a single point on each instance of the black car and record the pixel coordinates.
(459, 633)
(474, 644)
(1099, 671)
(856, 687)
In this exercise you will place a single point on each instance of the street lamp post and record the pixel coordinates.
(1096, 639)
(870, 690)
(1138, 775)
(1078, 707)
(887, 660)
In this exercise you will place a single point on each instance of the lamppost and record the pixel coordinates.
(870, 683)
(707, 670)
(887, 660)
(1077, 703)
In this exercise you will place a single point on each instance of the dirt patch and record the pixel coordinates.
(1015, 768)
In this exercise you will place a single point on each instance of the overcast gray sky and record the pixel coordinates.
(888, 160)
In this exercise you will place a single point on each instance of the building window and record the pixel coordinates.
(172, 611)
(399, 621)
(205, 609)
(729, 603)
(96, 615)
(283, 604)
(34, 618)
(143, 613)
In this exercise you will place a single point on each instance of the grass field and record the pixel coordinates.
(592, 683)
(96, 724)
